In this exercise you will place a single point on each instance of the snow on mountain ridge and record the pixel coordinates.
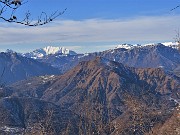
(39, 53)
(54, 50)
(128, 46)
(171, 44)
(131, 46)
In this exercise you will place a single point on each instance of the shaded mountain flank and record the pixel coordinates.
(105, 94)
(14, 67)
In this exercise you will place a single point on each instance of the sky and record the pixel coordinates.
(93, 25)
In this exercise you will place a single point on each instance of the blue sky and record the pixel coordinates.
(93, 25)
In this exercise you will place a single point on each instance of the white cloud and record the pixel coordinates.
(138, 30)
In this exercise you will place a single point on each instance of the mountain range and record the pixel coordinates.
(14, 67)
(94, 93)
(103, 94)
(153, 56)
(147, 56)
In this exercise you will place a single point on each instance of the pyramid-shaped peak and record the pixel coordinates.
(101, 62)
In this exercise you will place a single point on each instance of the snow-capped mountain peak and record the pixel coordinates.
(39, 53)
(53, 50)
(171, 44)
(127, 46)
(130, 46)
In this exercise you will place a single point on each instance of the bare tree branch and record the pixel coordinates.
(175, 8)
(13, 5)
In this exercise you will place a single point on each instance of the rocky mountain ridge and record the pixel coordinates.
(98, 93)
(105, 92)
(150, 56)
(173, 45)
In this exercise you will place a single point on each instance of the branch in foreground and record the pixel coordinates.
(175, 8)
(13, 5)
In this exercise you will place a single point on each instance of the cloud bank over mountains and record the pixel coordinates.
(140, 29)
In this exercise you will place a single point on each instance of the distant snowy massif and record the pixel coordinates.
(38, 53)
(50, 50)
(58, 60)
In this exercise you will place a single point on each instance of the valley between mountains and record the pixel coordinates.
(128, 90)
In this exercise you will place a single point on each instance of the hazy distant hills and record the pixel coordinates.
(104, 92)
(14, 67)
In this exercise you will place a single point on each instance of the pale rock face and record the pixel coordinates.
(39, 53)
(54, 50)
